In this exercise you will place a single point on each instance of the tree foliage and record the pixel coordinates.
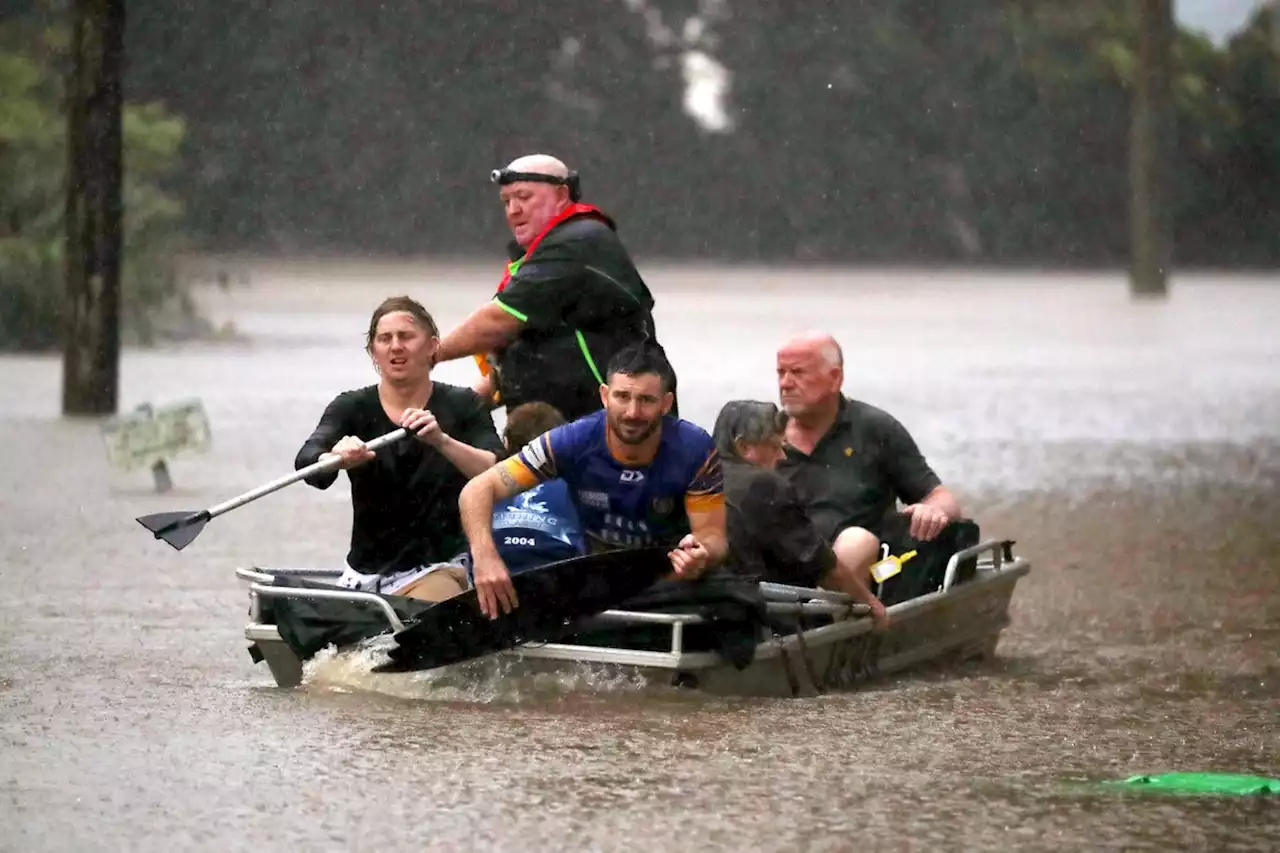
(33, 161)
(895, 131)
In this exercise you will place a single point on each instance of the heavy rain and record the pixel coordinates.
(1043, 235)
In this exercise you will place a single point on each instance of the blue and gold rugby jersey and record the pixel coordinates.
(627, 506)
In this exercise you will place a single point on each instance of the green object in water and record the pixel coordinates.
(1204, 783)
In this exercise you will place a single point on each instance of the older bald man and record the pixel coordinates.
(849, 460)
(570, 300)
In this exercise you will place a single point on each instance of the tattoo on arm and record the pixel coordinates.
(507, 484)
(505, 475)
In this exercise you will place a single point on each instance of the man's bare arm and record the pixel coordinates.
(490, 327)
(942, 498)
(707, 523)
(471, 461)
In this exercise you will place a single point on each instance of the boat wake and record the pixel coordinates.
(493, 679)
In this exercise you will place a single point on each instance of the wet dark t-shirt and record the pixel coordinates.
(770, 536)
(580, 300)
(404, 502)
(864, 464)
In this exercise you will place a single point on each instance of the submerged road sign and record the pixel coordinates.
(149, 437)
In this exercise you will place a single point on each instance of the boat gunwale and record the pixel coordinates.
(849, 617)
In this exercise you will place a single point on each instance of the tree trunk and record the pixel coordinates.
(1151, 220)
(91, 347)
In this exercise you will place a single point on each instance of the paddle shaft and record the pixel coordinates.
(289, 479)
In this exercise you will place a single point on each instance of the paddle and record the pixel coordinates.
(180, 529)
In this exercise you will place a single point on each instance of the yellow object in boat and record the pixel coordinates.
(888, 566)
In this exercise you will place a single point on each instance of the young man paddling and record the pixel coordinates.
(638, 476)
(404, 524)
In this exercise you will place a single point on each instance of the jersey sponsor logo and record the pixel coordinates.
(529, 520)
(624, 532)
(630, 476)
(526, 502)
(593, 499)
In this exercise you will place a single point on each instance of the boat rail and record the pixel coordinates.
(260, 587)
(781, 600)
(793, 603)
(1001, 551)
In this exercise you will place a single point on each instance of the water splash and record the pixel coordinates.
(494, 679)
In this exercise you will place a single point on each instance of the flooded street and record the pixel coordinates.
(1131, 450)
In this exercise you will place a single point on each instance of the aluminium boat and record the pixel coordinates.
(727, 636)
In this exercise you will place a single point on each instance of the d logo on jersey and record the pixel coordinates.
(630, 476)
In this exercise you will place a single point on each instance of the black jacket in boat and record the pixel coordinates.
(771, 538)
(580, 300)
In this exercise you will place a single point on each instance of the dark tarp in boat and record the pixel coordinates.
(309, 625)
(735, 611)
(551, 599)
(733, 608)
(924, 573)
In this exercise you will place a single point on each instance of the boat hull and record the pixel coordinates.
(816, 641)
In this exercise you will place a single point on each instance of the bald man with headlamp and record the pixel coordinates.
(570, 299)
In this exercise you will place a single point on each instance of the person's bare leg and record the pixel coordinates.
(846, 580)
(857, 549)
(437, 586)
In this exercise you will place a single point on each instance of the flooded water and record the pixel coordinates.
(1132, 450)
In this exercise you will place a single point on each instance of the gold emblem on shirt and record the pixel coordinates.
(848, 451)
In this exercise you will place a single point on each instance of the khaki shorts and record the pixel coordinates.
(436, 582)
(443, 582)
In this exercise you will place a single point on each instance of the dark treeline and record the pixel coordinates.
(889, 131)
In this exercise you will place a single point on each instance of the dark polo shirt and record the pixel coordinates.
(579, 300)
(859, 468)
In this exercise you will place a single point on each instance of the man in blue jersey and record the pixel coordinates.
(530, 530)
(638, 477)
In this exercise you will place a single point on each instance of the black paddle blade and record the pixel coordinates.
(551, 599)
(179, 529)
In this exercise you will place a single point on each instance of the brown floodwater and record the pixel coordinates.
(1131, 449)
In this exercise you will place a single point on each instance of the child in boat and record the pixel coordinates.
(539, 526)
(531, 529)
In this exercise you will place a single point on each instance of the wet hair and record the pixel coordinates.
(528, 421)
(640, 359)
(407, 304)
(748, 420)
